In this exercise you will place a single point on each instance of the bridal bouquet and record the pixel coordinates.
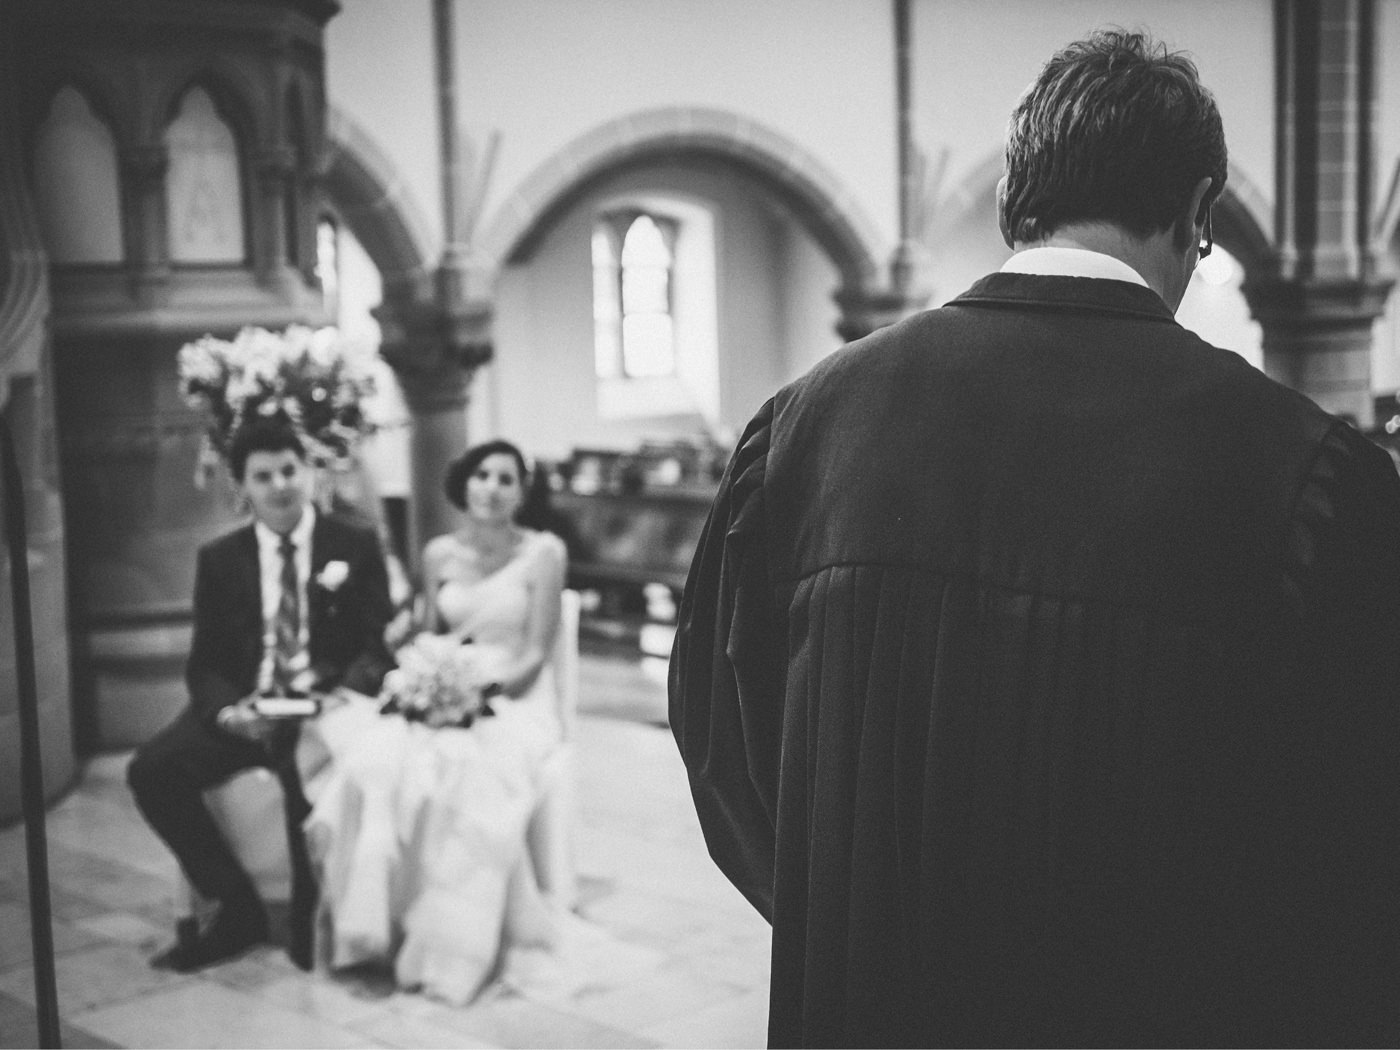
(436, 682)
(309, 376)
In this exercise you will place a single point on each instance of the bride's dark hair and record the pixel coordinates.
(460, 469)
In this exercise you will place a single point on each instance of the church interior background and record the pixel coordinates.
(604, 229)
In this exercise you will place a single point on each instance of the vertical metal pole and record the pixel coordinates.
(907, 188)
(31, 768)
(448, 157)
(905, 267)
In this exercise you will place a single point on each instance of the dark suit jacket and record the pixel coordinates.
(345, 626)
(1036, 678)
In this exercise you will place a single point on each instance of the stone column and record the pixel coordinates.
(274, 171)
(435, 348)
(1318, 307)
(145, 222)
(866, 308)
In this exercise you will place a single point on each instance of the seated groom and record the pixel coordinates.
(295, 602)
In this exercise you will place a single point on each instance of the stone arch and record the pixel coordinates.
(829, 213)
(101, 92)
(232, 97)
(1241, 223)
(1239, 218)
(362, 186)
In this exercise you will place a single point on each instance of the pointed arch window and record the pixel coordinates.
(634, 280)
(204, 185)
(76, 185)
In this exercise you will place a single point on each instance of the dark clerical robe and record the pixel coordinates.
(1036, 678)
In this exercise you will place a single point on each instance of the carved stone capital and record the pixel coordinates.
(1308, 308)
(1317, 337)
(435, 350)
(863, 310)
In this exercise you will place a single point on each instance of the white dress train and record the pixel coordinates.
(420, 834)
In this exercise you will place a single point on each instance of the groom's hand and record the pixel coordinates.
(242, 720)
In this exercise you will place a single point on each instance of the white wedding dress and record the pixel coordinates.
(420, 834)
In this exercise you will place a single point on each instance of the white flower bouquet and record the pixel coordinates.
(308, 376)
(436, 682)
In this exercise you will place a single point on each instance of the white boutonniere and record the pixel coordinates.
(332, 575)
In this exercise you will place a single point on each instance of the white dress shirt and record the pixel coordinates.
(1071, 262)
(270, 576)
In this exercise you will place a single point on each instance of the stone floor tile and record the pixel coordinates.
(125, 928)
(512, 1021)
(204, 1013)
(415, 1032)
(92, 978)
(647, 881)
(653, 999)
(741, 1021)
(19, 1027)
(346, 1001)
(17, 939)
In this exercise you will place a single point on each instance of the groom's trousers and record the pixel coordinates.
(168, 776)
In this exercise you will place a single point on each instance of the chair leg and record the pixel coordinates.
(548, 840)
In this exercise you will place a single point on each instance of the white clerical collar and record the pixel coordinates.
(300, 534)
(1071, 262)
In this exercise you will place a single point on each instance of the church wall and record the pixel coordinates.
(546, 72)
(971, 61)
(809, 312)
(752, 340)
(973, 58)
(819, 73)
(379, 70)
(540, 390)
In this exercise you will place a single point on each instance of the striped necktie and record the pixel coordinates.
(288, 625)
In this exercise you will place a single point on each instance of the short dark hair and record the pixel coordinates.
(455, 483)
(1115, 128)
(262, 434)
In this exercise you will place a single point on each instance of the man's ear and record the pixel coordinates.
(1191, 219)
(1001, 214)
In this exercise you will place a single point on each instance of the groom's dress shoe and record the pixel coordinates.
(233, 931)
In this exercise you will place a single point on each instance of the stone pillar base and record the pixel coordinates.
(434, 350)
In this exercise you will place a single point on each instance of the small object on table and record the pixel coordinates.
(287, 706)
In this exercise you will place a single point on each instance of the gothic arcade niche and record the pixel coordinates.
(664, 286)
(660, 302)
(172, 151)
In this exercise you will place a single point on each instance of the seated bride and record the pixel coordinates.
(420, 828)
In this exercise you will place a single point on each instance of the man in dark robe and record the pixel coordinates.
(1036, 671)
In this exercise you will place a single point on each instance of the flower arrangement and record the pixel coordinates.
(436, 682)
(309, 376)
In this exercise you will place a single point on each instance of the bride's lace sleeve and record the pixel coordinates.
(726, 676)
